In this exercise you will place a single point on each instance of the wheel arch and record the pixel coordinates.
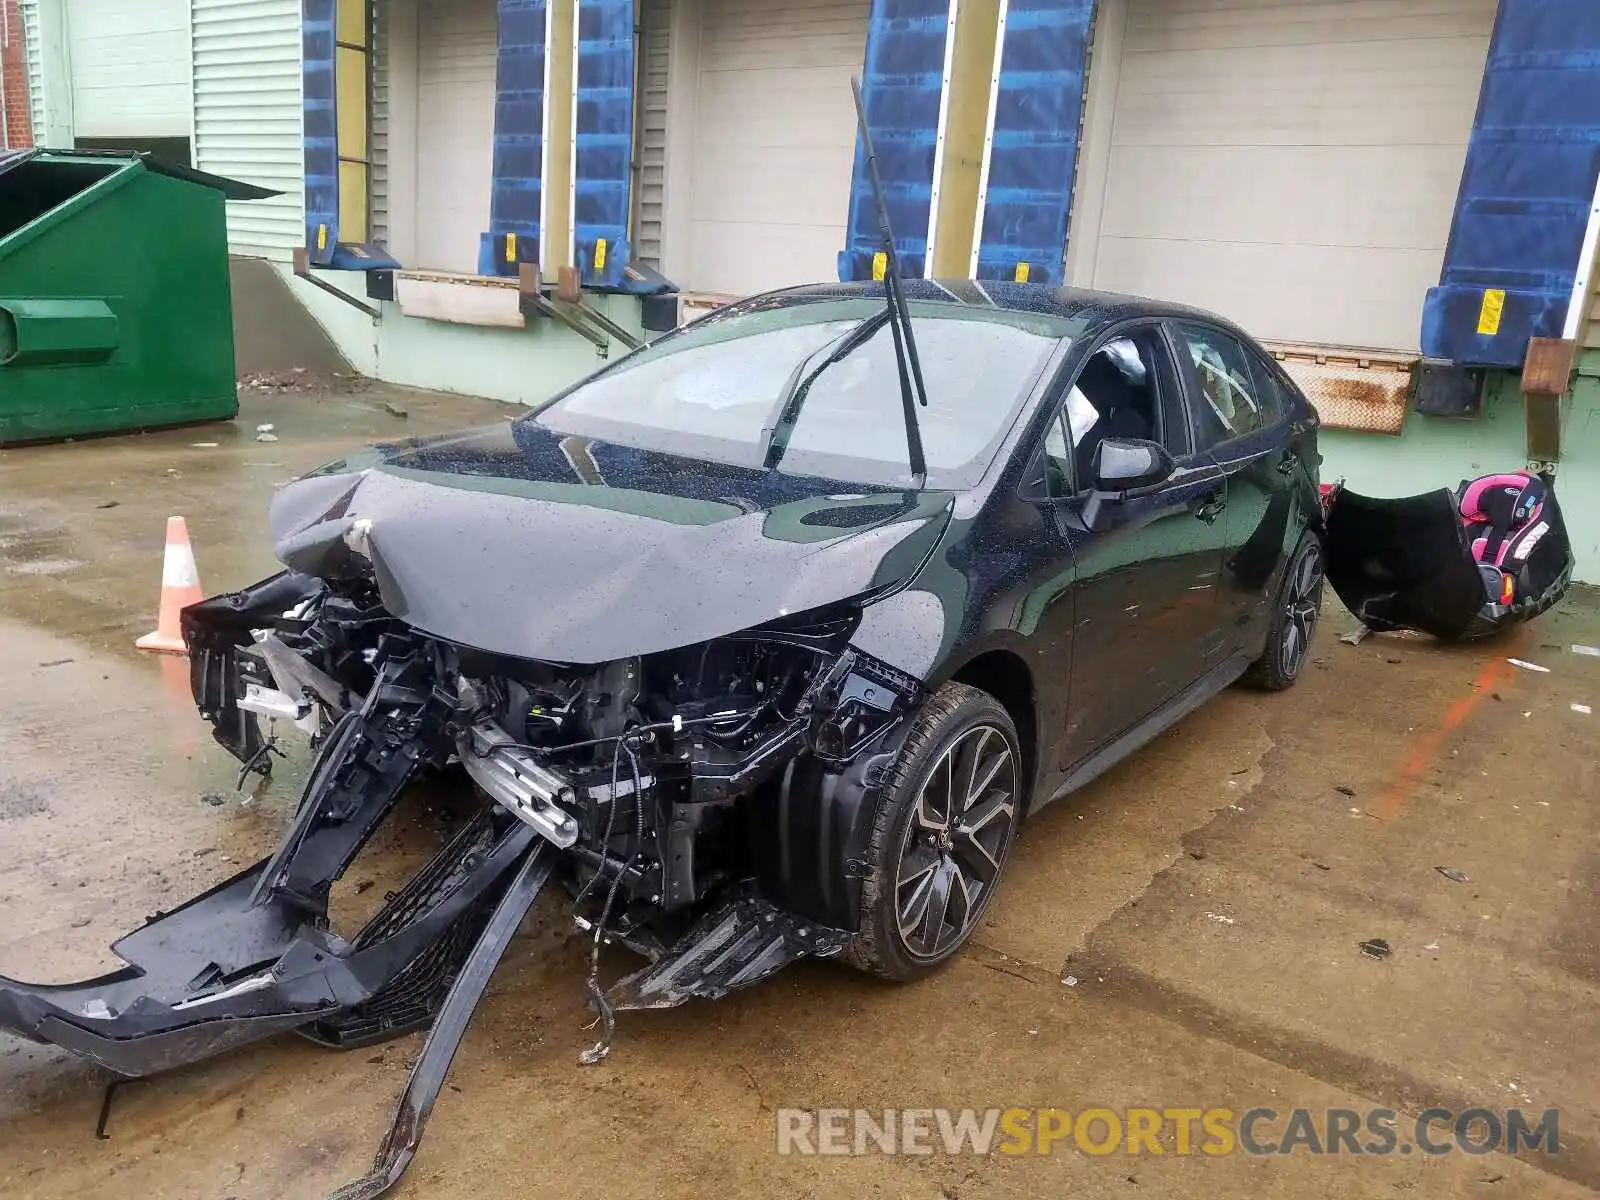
(1006, 676)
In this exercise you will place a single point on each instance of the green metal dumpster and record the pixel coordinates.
(115, 313)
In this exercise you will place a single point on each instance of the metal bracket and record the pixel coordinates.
(569, 291)
(610, 326)
(302, 270)
(1545, 469)
(536, 304)
(539, 306)
(565, 303)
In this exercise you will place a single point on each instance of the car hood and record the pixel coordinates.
(521, 541)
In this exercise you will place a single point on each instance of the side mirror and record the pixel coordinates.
(1124, 464)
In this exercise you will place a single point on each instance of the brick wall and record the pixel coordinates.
(14, 78)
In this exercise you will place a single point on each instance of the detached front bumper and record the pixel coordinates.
(157, 1013)
(221, 971)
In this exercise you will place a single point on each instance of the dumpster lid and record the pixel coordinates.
(231, 189)
(14, 158)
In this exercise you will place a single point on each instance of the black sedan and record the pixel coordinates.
(761, 642)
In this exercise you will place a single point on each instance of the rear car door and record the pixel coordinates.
(1243, 424)
(1144, 599)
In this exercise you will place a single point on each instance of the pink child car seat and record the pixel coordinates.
(1501, 513)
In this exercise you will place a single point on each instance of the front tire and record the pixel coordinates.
(941, 837)
(1294, 619)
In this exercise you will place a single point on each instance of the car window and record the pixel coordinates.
(1231, 402)
(1277, 400)
(1058, 458)
(976, 373)
(713, 391)
(1125, 390)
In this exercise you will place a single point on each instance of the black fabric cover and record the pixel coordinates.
(1404, 563)
(1407, 564)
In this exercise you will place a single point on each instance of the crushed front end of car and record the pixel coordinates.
(702, 804)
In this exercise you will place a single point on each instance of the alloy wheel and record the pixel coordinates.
(1302, 605)
(955, 842)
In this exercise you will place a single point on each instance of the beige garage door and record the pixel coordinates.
(457, 45)
(773, 142)
(130, 68)
(1292, 164)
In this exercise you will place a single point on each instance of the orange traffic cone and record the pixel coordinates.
(180, 587)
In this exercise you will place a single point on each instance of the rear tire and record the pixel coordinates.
(1294, 619)
(941, 836)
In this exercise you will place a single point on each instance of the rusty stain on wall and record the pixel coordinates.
(1351, 391)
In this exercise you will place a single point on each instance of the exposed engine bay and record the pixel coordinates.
(650, 771)
(699, 806)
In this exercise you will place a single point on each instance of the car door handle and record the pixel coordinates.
(1211, 508)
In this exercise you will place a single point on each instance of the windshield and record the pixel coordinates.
(714, 390)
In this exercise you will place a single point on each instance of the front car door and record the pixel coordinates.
(1244, 411)
(1144, 600)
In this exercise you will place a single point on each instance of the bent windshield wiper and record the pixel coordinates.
(790, 411)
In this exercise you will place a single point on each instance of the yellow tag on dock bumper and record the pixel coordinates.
(511, 247)
(880, 266)
(600, 255)
(1494, 303)
(322, 237)
(1022, 273)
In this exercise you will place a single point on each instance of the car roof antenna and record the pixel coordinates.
(905, 345)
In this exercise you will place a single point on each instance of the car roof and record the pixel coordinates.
(1096, 309)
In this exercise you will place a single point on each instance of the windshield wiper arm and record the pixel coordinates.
(789, 413)
(896, 312)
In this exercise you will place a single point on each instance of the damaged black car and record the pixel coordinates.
(758, 644)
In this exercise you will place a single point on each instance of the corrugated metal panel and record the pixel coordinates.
(35, 52)
(650, 189)
(130, 68)
(458, 49)
(1292, 164)
(380, 124)
(774, 142)
(248, 115)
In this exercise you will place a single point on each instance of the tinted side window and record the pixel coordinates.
(1275, 394)
(1231, 402)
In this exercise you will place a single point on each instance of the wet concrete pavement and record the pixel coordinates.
(1207, 896)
